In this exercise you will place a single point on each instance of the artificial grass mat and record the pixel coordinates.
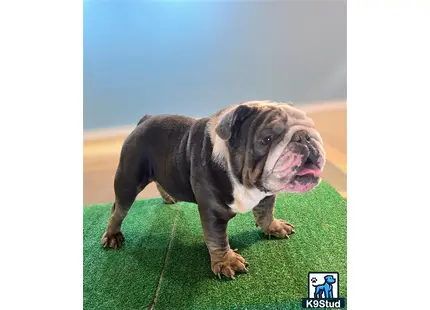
(128, 278)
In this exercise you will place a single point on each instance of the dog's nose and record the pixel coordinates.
(300, 136)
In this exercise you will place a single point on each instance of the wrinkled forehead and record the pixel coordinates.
(280, 114)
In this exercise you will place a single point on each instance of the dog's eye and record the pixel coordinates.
(266, 140)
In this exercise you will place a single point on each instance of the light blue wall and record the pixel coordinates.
(195, 57)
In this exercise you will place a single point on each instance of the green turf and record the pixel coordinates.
(277, 278)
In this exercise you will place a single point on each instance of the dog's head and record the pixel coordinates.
(268, 145)
(329, 279)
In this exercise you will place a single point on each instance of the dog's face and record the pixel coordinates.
(329, 279)
(271, 146)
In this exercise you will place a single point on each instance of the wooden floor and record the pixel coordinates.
(101, 153)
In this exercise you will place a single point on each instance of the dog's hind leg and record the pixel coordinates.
(167, 199)
(131, 178)
(318, 292)
(125, 194)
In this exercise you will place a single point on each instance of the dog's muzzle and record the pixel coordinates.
(299, 167)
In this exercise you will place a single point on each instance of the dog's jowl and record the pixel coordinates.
(232, 162)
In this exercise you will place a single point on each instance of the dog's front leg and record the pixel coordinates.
(270, 225)
(224, 260)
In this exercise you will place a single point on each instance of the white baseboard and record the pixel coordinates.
(121, 131)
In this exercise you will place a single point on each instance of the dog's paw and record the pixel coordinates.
(112, 241)
(229, 264)
(169, 200)
(280, 229)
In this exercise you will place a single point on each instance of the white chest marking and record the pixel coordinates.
(245, 199)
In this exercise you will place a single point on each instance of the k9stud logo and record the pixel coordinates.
(323, 291)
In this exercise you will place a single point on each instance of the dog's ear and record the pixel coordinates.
(144, 118)
(230, 123)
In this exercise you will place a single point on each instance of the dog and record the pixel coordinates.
(235, 161)
(326, 288)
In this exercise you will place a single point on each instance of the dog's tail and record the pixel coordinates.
(144, 118)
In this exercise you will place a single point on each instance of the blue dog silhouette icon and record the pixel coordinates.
(326, 288)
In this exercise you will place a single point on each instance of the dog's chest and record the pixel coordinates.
(245, 199)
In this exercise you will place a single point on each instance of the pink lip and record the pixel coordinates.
(313, 170)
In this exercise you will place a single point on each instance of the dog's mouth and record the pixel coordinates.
(310, 169)
(296, 172)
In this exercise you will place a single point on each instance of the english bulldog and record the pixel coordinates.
(234, 161)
